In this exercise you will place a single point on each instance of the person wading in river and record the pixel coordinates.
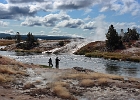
(57, 62)
(50, 62)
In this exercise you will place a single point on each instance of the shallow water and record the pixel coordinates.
(124, 68)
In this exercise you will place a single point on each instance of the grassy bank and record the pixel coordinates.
(28, 51)
(11, 69)
(45, 66)
(97, 49)
(114, 56)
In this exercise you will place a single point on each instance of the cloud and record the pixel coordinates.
(44, 6)
(87, 11)
(72, 4)
(32, 21)
(121, 6)
(87, 18)
(89, 26)
(55, 31)
(130, 6)
(93, 24)
(48, 20)
(48, 13)
(51, 19)
(3, 24)
(14, 12)
(11, 31)
(72, 23)
(125, 26)
(24, 1)
(113, 5)
(15, 9)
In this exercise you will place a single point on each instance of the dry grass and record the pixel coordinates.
(8, 61)
(11, 69)
(21, 72)
(92, 75)
(5, 78)
(75, 76)
(61, 92)
(28, 86)
(87, 83)
(96, 75)
(9, 72)
(59, 83)
(59, 88)
(93, 78)
(6, 42)
(103, 81)
(2, 78)
(5, 69)
(6, 73)
(133, 79)
(115, 56)
(134, 58)
(109, 76)
(114, 77)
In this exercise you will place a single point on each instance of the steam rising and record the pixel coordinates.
(71, 47)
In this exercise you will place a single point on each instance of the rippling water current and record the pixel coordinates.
(124, 68)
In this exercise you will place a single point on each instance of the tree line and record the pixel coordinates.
(115, 41)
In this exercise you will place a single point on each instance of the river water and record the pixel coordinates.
(124, 68)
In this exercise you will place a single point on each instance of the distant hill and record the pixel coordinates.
(4, 35)
(23, 37)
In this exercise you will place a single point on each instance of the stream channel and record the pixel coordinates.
(124, 68)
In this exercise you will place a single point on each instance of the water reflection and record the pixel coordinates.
(131, 71)
(123, 68)
(112, 69)
(25, 53)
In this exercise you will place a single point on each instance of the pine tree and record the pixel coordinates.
(113, 41)
(18, 38)
(31, 42)
(133, 35)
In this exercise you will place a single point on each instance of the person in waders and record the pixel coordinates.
(57, 62)
(50, 62)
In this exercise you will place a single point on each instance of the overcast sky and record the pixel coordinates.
(85, 18)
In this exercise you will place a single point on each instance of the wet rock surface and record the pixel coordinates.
(80, 69)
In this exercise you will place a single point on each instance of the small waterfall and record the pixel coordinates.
(71, 47)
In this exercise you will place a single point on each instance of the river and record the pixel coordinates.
(124, 68)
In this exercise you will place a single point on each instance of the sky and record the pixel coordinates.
(83, 18)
